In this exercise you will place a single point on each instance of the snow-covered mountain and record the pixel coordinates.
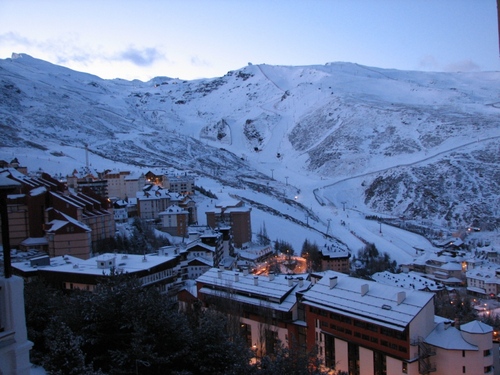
(420, 145)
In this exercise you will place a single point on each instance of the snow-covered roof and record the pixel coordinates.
(334, 250)
(173, 209)
(445, 336)
(255, 252)
(31, 241)
(368, 300)
(410, 280)
(275, 293)
(128, 263)
(476, 326)
(38, 191)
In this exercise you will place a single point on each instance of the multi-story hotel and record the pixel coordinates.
(357, 326)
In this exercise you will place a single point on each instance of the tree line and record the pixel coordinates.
(124, 328)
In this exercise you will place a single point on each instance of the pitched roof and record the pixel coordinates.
(476, 326)
(257, 290)
(368, 300)
(447, 337)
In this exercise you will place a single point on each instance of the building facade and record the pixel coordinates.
(237, 216)
(356, 326)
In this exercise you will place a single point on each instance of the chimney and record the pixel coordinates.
(236, 277)
(447, 324)
(364, 289)
(245, 271)
(271, 276)
(333, 281)
(219, 274)
(255, 280)
(290, 281)
(401, 297)
(301, 282)
(221, 267)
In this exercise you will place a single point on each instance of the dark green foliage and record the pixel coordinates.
(455, 306)
(218, 352)
(284, 247)
(64, 354)
(293, 360)
(42, 303)
(143, 240)
(206, 193)
(312, 254)
(123, 328)
(373, 262)
(262, 237)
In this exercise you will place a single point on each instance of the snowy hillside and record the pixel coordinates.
(315, 138)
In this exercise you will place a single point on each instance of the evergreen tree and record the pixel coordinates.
(262, 237)
(292, 360)
(64, 354)
(313, 256)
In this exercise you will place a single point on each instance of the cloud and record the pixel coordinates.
(428, 62)
(462, 66)
(14, 38)
(196, 61)
(141, 57)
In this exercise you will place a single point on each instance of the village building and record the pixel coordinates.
(336, 258)
(69, 272)
(445, 269)
(180, 184)
(187, 203)
(42, 207)
(367, 327)
(152, 200)
(235, 215)
(267, 306)
(80, 180)
(120, 211)
(124, 184)
(354, 325)
(175, 221)
(484, 282)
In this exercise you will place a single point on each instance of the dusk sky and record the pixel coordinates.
(191, 39)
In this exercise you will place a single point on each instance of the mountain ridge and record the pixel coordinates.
(281, 126)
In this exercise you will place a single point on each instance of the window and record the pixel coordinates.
(404, 368)
(463, 353)
(486, 352)
(488, 369)
(463, 369)
(329, 351)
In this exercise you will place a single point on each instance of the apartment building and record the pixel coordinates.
(180, 184)
(43, 208)
(484, 281)
(235, 215)
(152, 200)
(70, 272)
(124, 184)
(335, 258)
(357, 326)
(267, 305)
(370, 328)
(174, 220)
